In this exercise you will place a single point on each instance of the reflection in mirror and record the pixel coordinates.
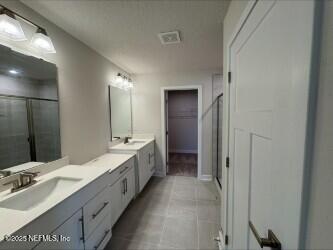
(120, 112)
(29, 112)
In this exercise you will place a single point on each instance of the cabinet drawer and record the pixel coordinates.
(95, 210)
(101, 236)
(120, 171)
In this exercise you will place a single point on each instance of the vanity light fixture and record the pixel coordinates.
(10, 28)
(41, 41)
(119, 78)
(122, 82)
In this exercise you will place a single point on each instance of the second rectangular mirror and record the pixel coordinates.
(120, 102)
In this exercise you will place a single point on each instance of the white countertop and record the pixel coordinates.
(13, 220)
(110, 161)
(132, 147)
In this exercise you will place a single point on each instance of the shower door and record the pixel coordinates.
(217, 137)
(14, 132)
(217, 110)
(29, 131)
(46, 131)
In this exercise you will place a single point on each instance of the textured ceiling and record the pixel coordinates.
(125, 32)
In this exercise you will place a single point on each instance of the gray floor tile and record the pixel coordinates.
(117, 243)
(180, 233)
(208, 210)
(147, 228)
(207, 232)
(153, 204)
(206, 191)
(182, 209)
(184, 180)
(170, 213)
(158, 188)
(186, 192)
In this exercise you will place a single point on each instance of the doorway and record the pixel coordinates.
(181, 130)
(182, 136)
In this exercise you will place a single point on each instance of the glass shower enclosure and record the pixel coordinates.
(217, 110)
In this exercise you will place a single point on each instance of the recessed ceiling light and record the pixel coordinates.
(13, 71)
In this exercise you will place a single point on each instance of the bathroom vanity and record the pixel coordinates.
(73, 207)
(122, 181)
(144, 150)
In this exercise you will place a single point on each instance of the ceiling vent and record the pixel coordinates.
(169, 37)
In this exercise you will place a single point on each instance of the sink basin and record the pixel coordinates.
(38, 194)
(135, 142)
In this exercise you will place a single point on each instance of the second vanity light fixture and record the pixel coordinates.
(122, 82)
(11, 29)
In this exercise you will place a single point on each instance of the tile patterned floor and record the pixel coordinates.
(174, 212)
(183, 164)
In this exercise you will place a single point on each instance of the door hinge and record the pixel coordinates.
(227, 162)
(226, 240)
(167, 132)
(229, 77)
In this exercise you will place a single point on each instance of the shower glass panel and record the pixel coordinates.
(217, 110)
(46, 130)
(219, 138)
(14, 132)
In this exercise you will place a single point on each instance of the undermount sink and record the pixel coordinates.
(36, 195)
(135, 142)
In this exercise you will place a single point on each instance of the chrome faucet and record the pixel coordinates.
(126, 139)
(24, 180)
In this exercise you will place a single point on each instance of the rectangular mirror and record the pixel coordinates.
(29, 112)
(120, 102)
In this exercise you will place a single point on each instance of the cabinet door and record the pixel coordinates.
(129, 187)
(117, 190)
(69, 235)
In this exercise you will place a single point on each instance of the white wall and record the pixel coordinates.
(236, 7)
(183, 121)
(147, 108)
(320, 219)
(83, 76)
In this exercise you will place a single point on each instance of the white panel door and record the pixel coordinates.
(270, 65)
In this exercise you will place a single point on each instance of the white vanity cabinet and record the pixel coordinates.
(84, 217)
(145, 160)
(122, 191)
(146, 164)
(69, 235)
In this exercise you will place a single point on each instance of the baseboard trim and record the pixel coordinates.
(183, 151)
(207, 177)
